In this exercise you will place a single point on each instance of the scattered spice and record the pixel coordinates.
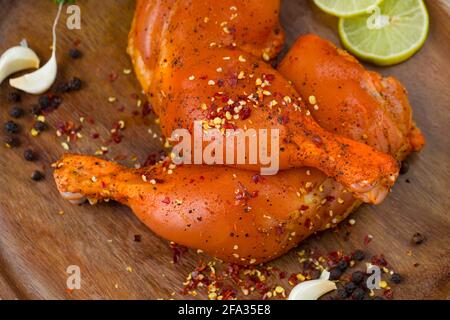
(37, 175)
(12, 142)
(396, 278)
(75, 53)
(14, 97)
(137, 238)
(405, 167)
(418, 238)
(29, 155)
(16, 112)
(12, 127)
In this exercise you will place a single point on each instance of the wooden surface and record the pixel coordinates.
(37, 244)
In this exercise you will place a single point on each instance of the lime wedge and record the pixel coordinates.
(394, 32)
(346, 8)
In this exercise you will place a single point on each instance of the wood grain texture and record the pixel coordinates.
(37, 244)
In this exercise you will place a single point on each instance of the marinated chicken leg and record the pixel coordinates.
(196, 61)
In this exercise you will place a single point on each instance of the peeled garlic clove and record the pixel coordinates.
(313, 289)
(39, 81)
(17, 59)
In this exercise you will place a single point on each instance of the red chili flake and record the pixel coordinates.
(367, 239)
(269, 77)
(255, 193)
(229, 126)
(388, 293)
(379, 261)
(304, 207)
(279, 230)
(308, 223)
(146, 109)
(330, 198)
(113, 76)
(283, 119)
(177, 251)
(245, 113)
(166, 200)
(95, 135)
(204, 77)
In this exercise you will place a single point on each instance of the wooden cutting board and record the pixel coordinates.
(37, 243)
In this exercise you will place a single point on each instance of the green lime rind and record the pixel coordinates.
(346, 8)
(394, 43)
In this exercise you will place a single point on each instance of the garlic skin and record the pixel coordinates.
(17, 59)
(313, 289)
(40, 80)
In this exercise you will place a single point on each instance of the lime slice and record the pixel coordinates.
(394, 32)
(346, 8)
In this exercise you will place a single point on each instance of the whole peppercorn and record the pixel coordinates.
(16, 112)
(358, 294)
(396, 278)
(342, 265)
(14, 97)
(350, 287)
(29, 155)
(404, 168)
(12, 142)
(44, 102)
(12, 127)
(137, 238)
(74, 53)
(357, 277)
(75, 84)
(418, 238)
(37, 175)
(40, 126)
(359, 255)
(36, 110)
(335, 274)
(342, 293)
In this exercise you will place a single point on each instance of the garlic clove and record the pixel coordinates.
(38, 81)
(17, 59)
(41, 80)
(313, 289)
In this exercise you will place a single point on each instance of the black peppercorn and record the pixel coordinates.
(335, 274)
(358, 294)
(418, 238)
(44, 102)
(29, 155)
(63, 87)
(359, 255)
(14, 97)
(350, 287)
(342, 265)
(137, 238)
(12, 142)
(357, 277)
(40, 126)
(75, 84)
(37, 175)
(12, 127)
(396, 278)
(16, 112)
(75, 53)
(404, 168)
(342, 293)
(36, 110)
